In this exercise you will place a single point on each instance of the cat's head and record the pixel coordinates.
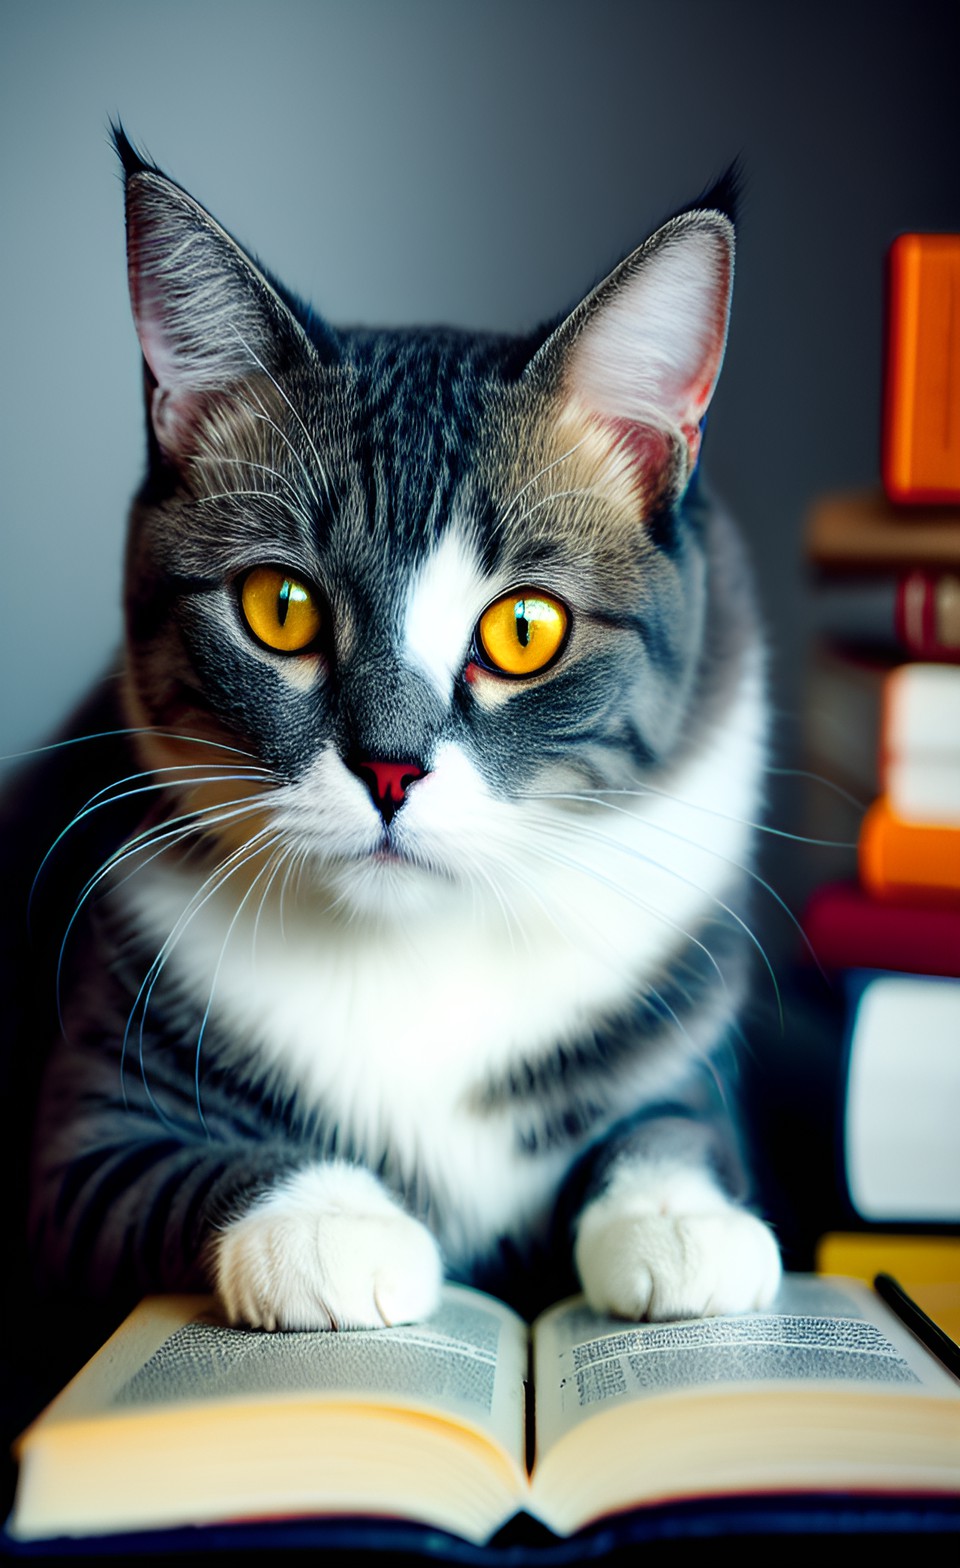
(388, 591)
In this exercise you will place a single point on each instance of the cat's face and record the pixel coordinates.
(411, 587)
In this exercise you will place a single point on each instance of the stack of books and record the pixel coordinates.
(883, 722)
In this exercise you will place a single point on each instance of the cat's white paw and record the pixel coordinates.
(683, 1252)
(328, 1248)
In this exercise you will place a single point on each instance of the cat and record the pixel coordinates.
(407, 924)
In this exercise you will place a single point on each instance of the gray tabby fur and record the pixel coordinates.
(315, 1057)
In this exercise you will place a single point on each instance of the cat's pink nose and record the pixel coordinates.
(387, 782)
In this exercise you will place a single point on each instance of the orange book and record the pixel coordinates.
(921, 422)
(900, 859)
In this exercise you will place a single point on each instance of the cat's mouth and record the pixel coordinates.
(389, 882)
(389, 856)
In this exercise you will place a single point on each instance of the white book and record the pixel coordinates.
(920, 742)
(924, 787)
(922, 710)
(901, 1136)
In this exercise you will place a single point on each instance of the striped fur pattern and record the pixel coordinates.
(317, 1052)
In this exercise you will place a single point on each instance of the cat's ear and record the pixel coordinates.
(641, 355)
(207, 317)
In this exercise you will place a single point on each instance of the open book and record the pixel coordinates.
(181, 1420)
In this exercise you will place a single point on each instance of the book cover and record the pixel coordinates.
(912, 861)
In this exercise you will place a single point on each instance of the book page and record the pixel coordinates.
(818, 1331)
(468, 1361)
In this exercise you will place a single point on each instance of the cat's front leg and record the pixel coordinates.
(327, 1248)
(659, 1237)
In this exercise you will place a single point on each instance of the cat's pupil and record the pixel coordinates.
(283, 601)
(523, 625)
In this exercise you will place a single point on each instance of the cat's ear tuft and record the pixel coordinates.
(724, 195)
(640, 357)
(207, 317)
(131, 159)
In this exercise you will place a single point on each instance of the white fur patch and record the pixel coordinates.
(327, 1249)
(443, 604)
(664, 1242)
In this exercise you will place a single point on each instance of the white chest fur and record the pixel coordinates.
(390, 1028)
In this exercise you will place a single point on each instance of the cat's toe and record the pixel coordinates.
(667, 1266)
(327, 1249)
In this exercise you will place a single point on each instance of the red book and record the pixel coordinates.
(848, 929)
(927, 614)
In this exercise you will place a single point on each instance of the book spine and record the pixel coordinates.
(920, 743)
(916, 860)
(921, 413)
(848, 929)
(924, 788)
(901, 1162)
(921, 709)
(927, 615)
(863, 533)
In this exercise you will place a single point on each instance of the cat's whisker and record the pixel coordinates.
(556, 495)
(818, 778)
(276, 840)
(235, 495)
(474, 866)
(302, 861)
(546, 469)
(507, 846)
(102, 798)
(551, 856)
(531, 891)
(281, 857)
(294, 856)
(592, 873)
(130, 729)
(736, 865)
(321, 469)
(574, 834)
(599, 797)
(185, 778)
(195, 824)
(158, 839)
(159, 778)
(671, 871)
(260, 413)
(212, 884)
(292, 501)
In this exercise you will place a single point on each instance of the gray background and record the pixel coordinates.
(451, 160)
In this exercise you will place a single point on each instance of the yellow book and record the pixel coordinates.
(181, 1420)
(928, 1266)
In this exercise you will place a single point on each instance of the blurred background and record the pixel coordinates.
(479, 162)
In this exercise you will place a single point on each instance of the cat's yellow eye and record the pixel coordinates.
(522, 632)
(279, 609)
